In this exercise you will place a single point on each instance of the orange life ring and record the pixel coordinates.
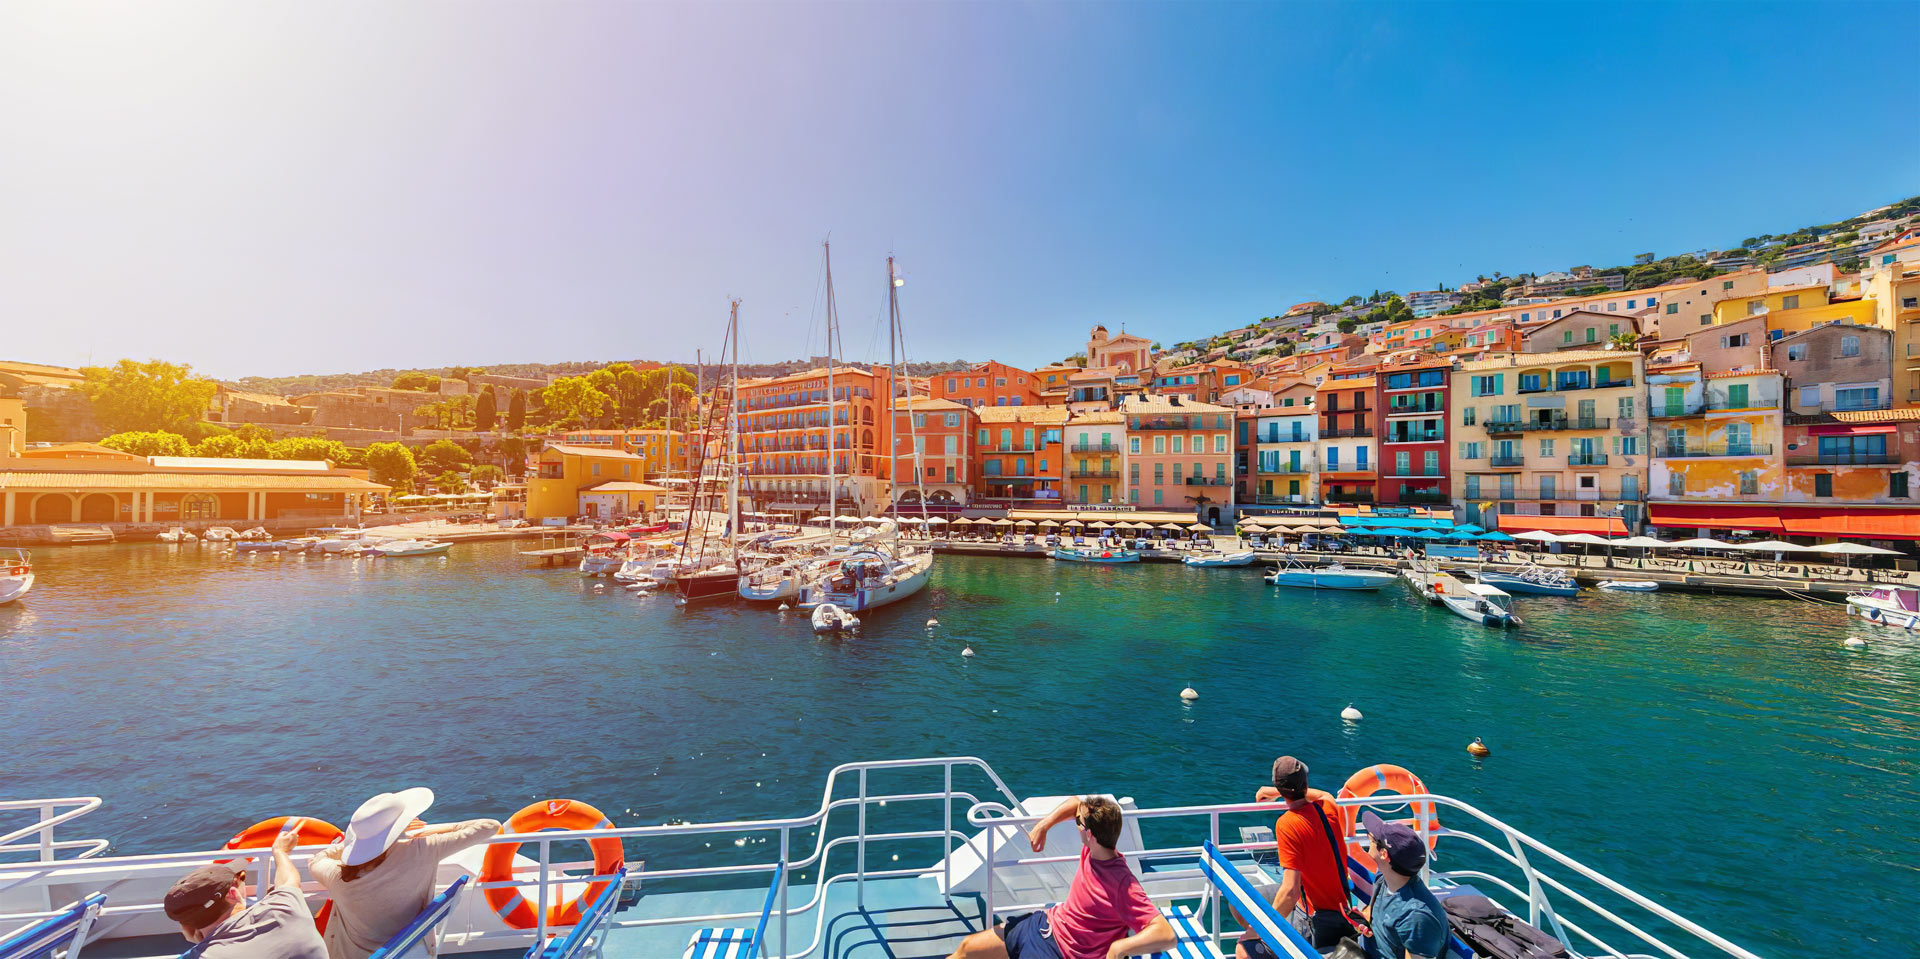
(554, 814)
(1390, 778)
(312, 832)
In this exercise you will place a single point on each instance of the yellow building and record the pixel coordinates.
(666, 452)
(1894, 291)
(1715, 436)
(84, 483)
(1794, 309)
(597, 481)
(13, 424)
(1550, 435)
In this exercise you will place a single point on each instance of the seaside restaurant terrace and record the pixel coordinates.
(85, 483)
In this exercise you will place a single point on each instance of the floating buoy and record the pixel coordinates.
(967, 653)
(1855, 641)
(1350, 714)
(1188, 694)
(784, 607)
(1478, 749)
(931, 623)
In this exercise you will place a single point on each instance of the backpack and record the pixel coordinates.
(1492, 931)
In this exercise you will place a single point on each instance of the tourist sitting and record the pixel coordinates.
(1312, 878)
(1105, 914)
(1408, 922)
(209, 903)
(381, 873)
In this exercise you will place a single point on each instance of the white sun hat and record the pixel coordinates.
(380, 821)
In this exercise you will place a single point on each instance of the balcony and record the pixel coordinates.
(1613, 384)
(1506, 462)
(1846, 459)
(1343, 434)
(1206, 481)
(1274, 499)
(1434, 436)
(1555, 495)
(1721, 404)
(1166, 423)
(1095, 448)
(1568, 423)
(1421, 497)
(1539, 388)
(1283, 438)
(1668, 411)
(1413, 474)
(1348, 496)
(1503, 426)
(1714, 449)
(1586, 459)
(1093, 472)
(1430, 406)
(1290, 468)
(1825, 415)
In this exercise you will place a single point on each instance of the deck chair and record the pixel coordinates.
(736, 943)
(583, 939)
(412, 939)
(1239, 893)
(1192, 942)
(62, 934)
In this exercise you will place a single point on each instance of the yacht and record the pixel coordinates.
(16, 574)
(1330, 576)
(869, 578)
(1537, 580)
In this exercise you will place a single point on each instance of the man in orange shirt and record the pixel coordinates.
(1314, 878)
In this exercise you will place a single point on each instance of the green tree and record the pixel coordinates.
(517, 411)
(419, 382)
(489, 475)
(148, 443)
(512, 453)
(1347, 325)
(450, 482)
(1850, 265)
(391, 464)
(231, 446)
(154, 396)
(486, 410)
(307, 448)
(572, 398)
(445, 455)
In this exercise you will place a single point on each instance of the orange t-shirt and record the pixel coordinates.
(1303, 847)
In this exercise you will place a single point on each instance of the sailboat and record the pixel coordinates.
(719, 578)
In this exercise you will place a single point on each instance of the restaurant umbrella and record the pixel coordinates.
(1471, 528)
(1462, 533)
(1176, 527)
(1643, 542)
(1586, 538)
(1024, 522)
(1384, 531)
(1003, 521)
(1772, 546)
(1495, 536)
(1699, 543)
(1200, 528)
(1100, 524)
(936, 521)
(962, 521)
(1853, 549)
(1538, 536)
(1046, 523)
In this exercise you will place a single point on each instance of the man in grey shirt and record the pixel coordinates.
(209, 903)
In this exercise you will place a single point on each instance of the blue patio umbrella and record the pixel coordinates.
(1389, 532)
(1426, 534)
(1469, 528)
(1463, 533)
(1497, 536)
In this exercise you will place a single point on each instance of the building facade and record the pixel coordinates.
(1096, 458)
(1021, 452)
(932, 459)
(1412, 400)
(1347, 453)
(1179, 454)
(988, 384)
(784, 436)
(666, 452)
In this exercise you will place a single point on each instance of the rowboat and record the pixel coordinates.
(1095, 554)
(1241, 558)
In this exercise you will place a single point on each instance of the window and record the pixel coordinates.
(1629, 445)
(1333, 458)
(1591, 334)
(1909, 302)
(1613, 307)
(1159, 444)
(1809, 395)
(1403, 463)
(1749, 482)
(1433, 463)
(1897, 485)
(1156, 497)
(1673, 308)
(1133, 444)
(1737, 396)
(1630, 304)
(950, 386)
(1220, 442)
(1626, 407)
(1360, 458)
(1677, 481)
(1466, 416)
(1823, 484)
(1199, 444)
(1790, 302)
(1546, 447)
(1706, 319)
(1734, 340)
(1726, 284)
(1857, 398)
(1470, 451)
(1178, 441)
(983, 437)
(1486, 385)
(1756, 307)
(1796, 351)
(999, 381)
(1566, 336)
(1159, 473)
(1849, 346)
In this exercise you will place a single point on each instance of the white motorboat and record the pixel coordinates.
(829, 618)
(1897, 606)
(868, 579)
(175, 535)
(339, 539)
(16, 574)
(258, 533)
(606, 553)
(219, 534)
(1096, 554)
(409, 547)
(1537, 580)
(771, 584)
(1330, 576)
(1241, 558)
(1483, 604)
(1628, 586)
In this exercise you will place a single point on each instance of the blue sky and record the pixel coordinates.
(323, 187)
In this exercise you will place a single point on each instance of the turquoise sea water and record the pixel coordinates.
(1731, 757)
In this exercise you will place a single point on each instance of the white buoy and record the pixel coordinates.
(1188, 694)
(931, 623)
(784, 607)
(1350, 714)
(1855, 641)
(967, 653)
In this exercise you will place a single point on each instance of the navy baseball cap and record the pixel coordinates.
(1405, 851)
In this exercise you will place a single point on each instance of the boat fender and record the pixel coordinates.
(931, 623)
(1189, 695)
(511, 903)
(1350, 714)
(1478, 749)
(312, 832)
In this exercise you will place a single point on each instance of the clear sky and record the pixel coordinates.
(270, 187)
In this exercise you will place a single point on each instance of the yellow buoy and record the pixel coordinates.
(1478, 749)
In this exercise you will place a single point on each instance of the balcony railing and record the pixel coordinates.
(1207, 481)
(1825, 415)
(1749, 449)
(1095, 447)
(1093, 472)
(1667, 411)
(1503, 426)
(1276, 499)
(1722, 404)
(1846, 459)
(1435, 436)
(1586, 459)
(1612, 384)
(1179, 423)
(1421, 496)
(1503, 462)
(1568, 423)
(1283, 438)
(1412, 473)
(1555, 495)
(1348, 496)
(1430, 406)
(1342, 434)
(1290, 467)
(1542, 388)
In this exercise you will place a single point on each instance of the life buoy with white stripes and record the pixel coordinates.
(512, 905)
(1396, 779)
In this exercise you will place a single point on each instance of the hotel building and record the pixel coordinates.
(1348, 457)
(1096, 457)
(1178, 453)
(1412, 398)
(1022, 452)
(783, 438)
(932, 452)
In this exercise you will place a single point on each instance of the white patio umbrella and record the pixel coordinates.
(1698, 543)
(1643, 542)
(936, 521)
(1538, 536)
(1852, 549)
(1201, 528)
(1587, 538)
(873, 519)
(1772, 546)
(1176, 527)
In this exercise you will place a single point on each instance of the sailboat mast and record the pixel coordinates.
(733, 440)
(833, 479)
(898, 336)
(893, 389)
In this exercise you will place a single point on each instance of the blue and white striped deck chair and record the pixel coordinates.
(412, 940)
(584, 934)
(61, 934)
(1239, 893)
(1191, 941)
(736, 943)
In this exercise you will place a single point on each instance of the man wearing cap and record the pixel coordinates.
(1304, 838)
(382, 872)
(209, 903)
(1408, 922)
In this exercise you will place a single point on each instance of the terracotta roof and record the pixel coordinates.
(1517, 360)
(1022, 414)
(1157, 403)
(1722, 374)
(626, 486)
(929, 403)
(19, 481)
(1096, 416)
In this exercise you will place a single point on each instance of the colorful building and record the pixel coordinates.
(1346, 407)
(1412, 399)
(1133, 354)
(598, 481)
(1541, 436)
(988, 384)
(85, 483)
(1794, 308)
(783, 438)
(1715, 438)
(1021, 452)
(1894, 289)
(666, 452)
(1286, 453)
(932, 453)
(1179, 452)
(1096, 457)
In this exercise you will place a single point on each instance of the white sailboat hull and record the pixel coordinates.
(14, 587)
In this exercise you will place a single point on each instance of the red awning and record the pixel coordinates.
(1764, 519)
(1846, 429)
(1598, 525)
(1856, 522)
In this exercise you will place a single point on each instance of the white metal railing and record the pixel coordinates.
(545, 878)
(45, 848)
(1512, 849)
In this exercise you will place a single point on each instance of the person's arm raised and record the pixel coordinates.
(286, 875)
(1037, 836)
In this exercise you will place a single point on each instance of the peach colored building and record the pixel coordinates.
(783, 437)
(1178, 453)
(932, 452)
(987, 384)
(1021, 451)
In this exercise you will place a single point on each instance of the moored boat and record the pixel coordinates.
(1095, 554)
(771, 584)
(1628, 585)
(1483, 604)
(1330, 576)
(712, 582)
(1241, 558)
(1537, 580)
(828, 618)
(869, 579)
(606, 552)
(16, 574)
(1897, 606)
(409, 547)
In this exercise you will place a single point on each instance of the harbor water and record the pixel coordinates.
(1731, 757)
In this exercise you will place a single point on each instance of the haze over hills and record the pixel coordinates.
(322, 382)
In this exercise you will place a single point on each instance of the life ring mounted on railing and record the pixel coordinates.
(1389, 778)
(553, 815)
(311, 832)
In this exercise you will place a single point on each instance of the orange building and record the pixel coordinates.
(1180, 452)
(932, 453)
(1022, 452)
(988, 384)
(783, 438)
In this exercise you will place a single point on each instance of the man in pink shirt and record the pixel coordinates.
(1106, 914)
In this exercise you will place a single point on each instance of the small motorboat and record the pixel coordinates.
(1483, 604)
(175, 535)
(394, 548)
(1330, 576)
(770, 584)
(1241, 558)
(828, 618)
(1537, 580)
(258, 533)
(1628, 586)
(261, 546)
(219, 534)
(1095, 554)
(16, 574)
(1897, 606)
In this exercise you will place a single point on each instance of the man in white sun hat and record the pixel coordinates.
(381, 873)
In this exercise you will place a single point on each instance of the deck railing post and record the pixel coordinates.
(546, 849)
(47, 812)
(860, 867)
(1213, 831)
(786, 833)
(946, 836)
(986, 918)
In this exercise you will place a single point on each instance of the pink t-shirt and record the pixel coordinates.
(1104, 906)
